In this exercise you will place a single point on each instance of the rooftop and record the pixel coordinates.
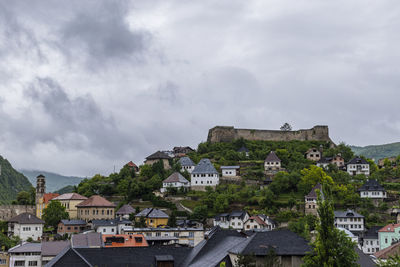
(52, 248)
(272, 157)
(204, 167)
(88, 240)
(137, 240)
(152, 213)
(70, 196)
(26, 247)
(175, 178)
(313, 192)
(158, 155)
(125, 210)
(96, 201)
(347, 214)
(49, 196)
(358, 160)
(371, 185)
(186, 161)
(73, 222)
(26, 218)
(389, 228)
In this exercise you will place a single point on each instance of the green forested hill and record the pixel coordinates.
(11, 182)
(54, 181)
(378, 151)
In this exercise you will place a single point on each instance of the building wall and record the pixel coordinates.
(69, 229)
(229, 133)
(25, 231)
(229, 172)
(370, 246)
(70, 207)
(204, 180)
(165, 162)
(311, 206)
(155, 222)
(351, 224)
(386, 238)
(176, 185)
(189, 169)
(95, 213)
(373, 194)
(4, 259)
(354, 169)
(237, 223)
(9, 211)
(185, 236)
(272, 166)
(26, 257)
(107, 230)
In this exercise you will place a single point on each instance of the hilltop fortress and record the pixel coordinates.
(229, 133)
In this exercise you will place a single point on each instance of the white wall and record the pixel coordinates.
(204, 179)
(229, 172)
(364, 169)
(27, 258)
(107, 230)
(25, 231)
(176, 185)
(189, 169)
(351, 224)
(373, 194)
(370, 246)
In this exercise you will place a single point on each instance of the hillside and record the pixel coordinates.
(54, 181)
(378, 151)
(11, 182)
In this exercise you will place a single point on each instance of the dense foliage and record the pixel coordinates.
(11, 182)
(54, 213)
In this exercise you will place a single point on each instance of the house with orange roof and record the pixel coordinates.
(259, 222)
(388, 235)
(113, 241)
(43, 202)
(69, 201)
(96, 208)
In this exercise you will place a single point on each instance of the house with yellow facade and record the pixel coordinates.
(42, 203)
(70, 201)
(153, 217)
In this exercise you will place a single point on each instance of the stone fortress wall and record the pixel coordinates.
(9, 211)
(229, 133)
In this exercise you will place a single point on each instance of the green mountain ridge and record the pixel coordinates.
(54, 181)
(11, 182)
(377, 151)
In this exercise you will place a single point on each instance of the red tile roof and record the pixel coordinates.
(393, 250)
(258, 220)
(96, 201)
(70, 196)
(131, 164)
(49, 196)
(389, 228)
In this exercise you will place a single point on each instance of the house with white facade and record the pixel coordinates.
(186, 164)
(372, 189)
(233, 220)
(358, 165)
(313, 154)
(272, 163)
(337, 160)
(26, 254)
(110, 227)
(259, 222)
(26, 225)
(230, 171)
(350, 220)
(311, 205)
(204, 174)
(175, 180)
(370, 243)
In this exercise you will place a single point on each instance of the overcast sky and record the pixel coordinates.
(86, 85)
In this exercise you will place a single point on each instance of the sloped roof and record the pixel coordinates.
(70, 196)
(347, 214)
(325, 160)
(152, 213)
(86, 240)
(389, 251)
(158, 155)
(26, 218)
(389, 228)
(272, 157)
(230, 167)
(284, 242)
(176, 177)
(73, 222)
(243, 149)
(358, 160)
(131, 164)
(372, 232)
(186, 161)
(26, 247)
(204, 167)
(52, 248)
(49, 196)
(371, 185)
(258, 220)
(96, 201)
(313, 193)
(125, 210)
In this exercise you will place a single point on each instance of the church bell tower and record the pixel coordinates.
(40, 187)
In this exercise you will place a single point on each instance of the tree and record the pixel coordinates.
(331, 248)
(392, 261)
(54, 213)
(172, 220)
(286, 127)
(24, 198)
(312, 176)
(200, 213)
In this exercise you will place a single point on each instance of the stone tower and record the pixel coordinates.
(40, 187)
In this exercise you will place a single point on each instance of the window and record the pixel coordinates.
(191, 234)
(386, 240)
(19, 263)
(102, 212)
(112, 230)
(158, 234)
(3, 261)
(104, 230)
(32, 263)
(176, 234)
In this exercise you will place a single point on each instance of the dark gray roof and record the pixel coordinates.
(186, 161)
(284, 242)
(325, 160)
(158, 155)
(372, 232)
(347, 214)
(243, 149)
(73, 222)
(313, 193)
(52, 248)
(26, 218)
(204, 167)
(86, 240)
(371, 185)
(272, 157)
(358, 160)
(26, 247)
(152, 213)
(125, 210)
(230, 167)
(176, 177)
(236, 213)
(120, 256)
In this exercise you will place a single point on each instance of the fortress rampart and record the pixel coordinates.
(229, 133)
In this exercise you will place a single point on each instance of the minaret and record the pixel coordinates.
(40, 187)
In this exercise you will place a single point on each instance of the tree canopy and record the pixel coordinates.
(54, 213)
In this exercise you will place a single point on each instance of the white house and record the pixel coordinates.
(259, 222)
(175, 180)
(372, 189)
(204, 174)
(26, 225)
(26, 254)
(230, 171)
(370, 244)
(313, 154)
(187, 164)
(234, 220)
(358, 166)
(272, 163)
(349, 220)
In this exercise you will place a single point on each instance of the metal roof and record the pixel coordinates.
(204, 167)
(186, 161)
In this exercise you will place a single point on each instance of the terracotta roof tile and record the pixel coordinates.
(389, 228)
(70, 196)
(96, 201)
(49, 196)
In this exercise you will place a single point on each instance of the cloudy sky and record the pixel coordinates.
(86, 85)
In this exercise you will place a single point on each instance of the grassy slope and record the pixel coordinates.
(378, 151)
